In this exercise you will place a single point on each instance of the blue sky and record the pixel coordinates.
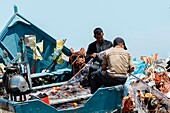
(144, 24)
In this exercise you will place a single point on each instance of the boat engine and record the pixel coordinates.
(18, 84)
(15, 83)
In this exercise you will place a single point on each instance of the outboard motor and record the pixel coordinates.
(15, 83)
(18, 84)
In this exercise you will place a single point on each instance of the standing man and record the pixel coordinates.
(97, 46)
(117, 63)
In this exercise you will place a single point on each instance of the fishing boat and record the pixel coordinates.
(37, 77)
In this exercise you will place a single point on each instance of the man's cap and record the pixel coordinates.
(119, 40)
(97, 31)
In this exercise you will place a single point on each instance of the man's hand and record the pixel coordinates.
(94, 55)
(131, 70)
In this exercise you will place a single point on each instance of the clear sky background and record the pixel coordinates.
(144, 24)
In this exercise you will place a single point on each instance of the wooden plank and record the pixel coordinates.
(48, 85)
(69, 99)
